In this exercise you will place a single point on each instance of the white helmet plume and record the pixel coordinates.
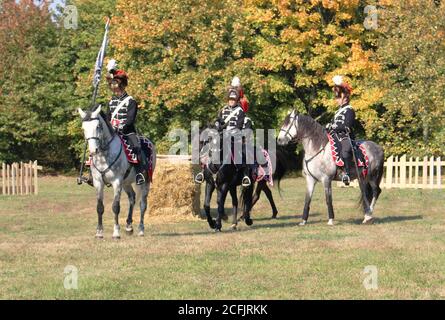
(236, 82)
(338, 80)
(112, 65)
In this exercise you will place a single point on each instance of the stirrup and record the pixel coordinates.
(346, 180)
(244, 183)
(140, 179)
(199, 178)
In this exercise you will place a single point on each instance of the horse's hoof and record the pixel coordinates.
(129, 230)
(274, 216)
(212, 224)
(99, 236)
(116, 237)
(368, 220)
(141, 233)
(248, 221)
(302, 223)
(225, 217)
(217, 230)
(233, 226)
(331, 222)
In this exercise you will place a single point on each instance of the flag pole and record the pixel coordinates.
(96, 81)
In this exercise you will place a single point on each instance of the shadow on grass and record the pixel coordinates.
(388, 219)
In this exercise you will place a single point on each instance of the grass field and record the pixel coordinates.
(273, 259)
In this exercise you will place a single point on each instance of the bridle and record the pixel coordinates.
(103, 148)
(287, 131)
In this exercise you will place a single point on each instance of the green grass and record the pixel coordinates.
(273, 259)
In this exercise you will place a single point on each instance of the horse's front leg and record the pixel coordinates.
(117, 188)
(269, 196)
(310, 186)
(99, 208)
(222, 194)
(328, 194)
(210, 187)
(234, 207)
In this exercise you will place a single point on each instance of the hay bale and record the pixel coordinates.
(173, 192)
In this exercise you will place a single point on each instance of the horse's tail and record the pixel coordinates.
(286, 162)
(376, 175)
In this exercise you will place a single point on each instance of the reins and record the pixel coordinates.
(104, 148)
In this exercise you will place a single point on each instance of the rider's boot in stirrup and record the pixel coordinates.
(141, 172)
(199, 178)
(246, 180)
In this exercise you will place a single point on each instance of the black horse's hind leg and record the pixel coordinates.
(234, 207)
(222, 194)
(269, 196)
(328, 195)
(210, 187)
(247, 195)
(310, 182)
(131, 200)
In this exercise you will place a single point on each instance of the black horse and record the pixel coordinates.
(225, 178)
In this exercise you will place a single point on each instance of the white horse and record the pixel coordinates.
(319, 166)
(110, 166)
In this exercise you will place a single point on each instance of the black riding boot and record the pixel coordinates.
(141, 172)
(346, 177)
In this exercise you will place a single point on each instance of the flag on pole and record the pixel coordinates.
(100, 57)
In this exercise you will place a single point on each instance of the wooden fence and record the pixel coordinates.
(402, 172)
(19, 178)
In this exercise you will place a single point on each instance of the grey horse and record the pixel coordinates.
(318, 165)
(110, 166)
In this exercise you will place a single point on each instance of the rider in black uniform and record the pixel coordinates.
(343, 123)
(122, 116)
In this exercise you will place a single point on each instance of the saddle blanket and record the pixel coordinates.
(147, 149)
(359, 150)
(264, 171)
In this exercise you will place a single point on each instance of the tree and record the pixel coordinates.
(411, 50)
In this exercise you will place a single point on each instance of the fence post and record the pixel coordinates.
(403, 171)
(439, 173)
(424, 172)
(3, 178)
(416, 174)
(389, 172)
(36, 186)
(432, 172)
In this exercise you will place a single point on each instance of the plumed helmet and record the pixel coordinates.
(236, 82)
(118, 74)
(340, 86)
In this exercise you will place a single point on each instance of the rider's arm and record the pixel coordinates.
(132, 110)
(241, 117)
(347, 123)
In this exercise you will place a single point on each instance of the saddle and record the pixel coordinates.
(147, 150)
(264, 171)
(358, 149)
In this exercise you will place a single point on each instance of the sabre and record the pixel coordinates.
(96, 81)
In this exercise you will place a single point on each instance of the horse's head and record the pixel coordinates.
(289, 129)
(92, 128)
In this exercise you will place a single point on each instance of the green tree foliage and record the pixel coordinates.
(411, 50)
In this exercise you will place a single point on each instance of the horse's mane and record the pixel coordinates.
(104, 118)
(309, 128)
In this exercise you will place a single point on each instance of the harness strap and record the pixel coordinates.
(309, 160)
(110, 166)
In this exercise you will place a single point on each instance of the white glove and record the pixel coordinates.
(112, 65)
